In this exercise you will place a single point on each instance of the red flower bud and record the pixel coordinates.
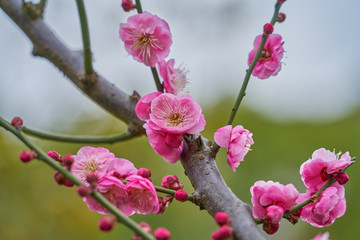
(92, 179)
(106, 223)
(68, 160)
(222, 218)
(54, 155)
(27, 155)
(162, 234)
(83, 191)
(181, 195)
(268, 29)
(17, 123)
(281, 17)
(144, 172)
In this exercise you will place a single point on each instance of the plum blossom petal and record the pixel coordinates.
(322, 236)
(323, 164)
(323, 210)
(174, 78)
(142, 195)
(90, 159)
(167, 145)
(115, 191)
(269, 63)
(147, 38)
(143, 106)
(177, 114)
(270, 200)
(237, 140)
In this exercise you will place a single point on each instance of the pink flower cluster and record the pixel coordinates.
(315, 172)
(271, 200)
(168, 117)
(138, 195)
(237, 140)
(269, 63)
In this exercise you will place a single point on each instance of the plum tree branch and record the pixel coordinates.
(46, 44)
(211, 192)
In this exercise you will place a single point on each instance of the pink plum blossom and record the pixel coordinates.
(174, 78)
(323, 210)
(147, 38)
(90, 159)
(237, 140)
(115, 191)
(270, 200)
(177, 114)
(120, 168)
(167, 145)
(143, 106)
(142, 195)
(322, 165)
(269, 63)
(322, 236)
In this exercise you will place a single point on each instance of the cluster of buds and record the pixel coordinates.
(225, 230)
(65, 161)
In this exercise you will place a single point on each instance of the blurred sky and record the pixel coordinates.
(318, 80)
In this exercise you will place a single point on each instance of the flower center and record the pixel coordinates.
(265, 55)
(143, 43)
(175, 119)
(91, 166)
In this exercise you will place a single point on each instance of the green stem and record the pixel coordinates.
(242, 91)
(138, 6)
(159, 86)
(91, 140)
(121, 217)
(85, 37)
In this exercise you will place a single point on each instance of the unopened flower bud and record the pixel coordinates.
(27, 155)
(83, 191)
(171, 182)
(62, 180)
(68, 160)
(92, 179)
(17, 123)
(162, 234)
(223, 233)
(270, 228)
(128, 5)
(281, 17)
(222, 218)
(341, 177)
(106, 223)
(181, 195)
(54, 155)
(146, 227)
(144, 172)
(268, 29)
(279, 2)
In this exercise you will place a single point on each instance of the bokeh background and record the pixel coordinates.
(312, 103)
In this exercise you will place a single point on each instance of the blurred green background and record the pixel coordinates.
(33, 206)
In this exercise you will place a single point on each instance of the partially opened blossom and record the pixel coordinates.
(115, 191)
(90, 159)
(167, 145)
(322, 236)
(237, 140)
(323, 210)
(174, 78)
(269, 63)
(128, 5)
(142, 195)
(270, 200)
(177, 114)
(322, 165)
(147, 38)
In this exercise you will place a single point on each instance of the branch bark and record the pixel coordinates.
(71, 63)
(211, 192)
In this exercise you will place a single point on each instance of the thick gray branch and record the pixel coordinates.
(211, 191)
(71, 63)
